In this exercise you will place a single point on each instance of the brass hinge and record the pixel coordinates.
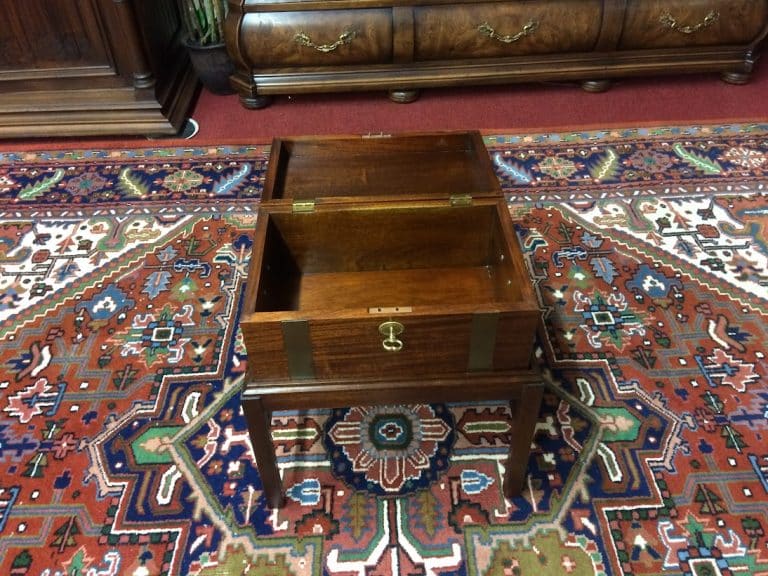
(303, 206)
(461, 200)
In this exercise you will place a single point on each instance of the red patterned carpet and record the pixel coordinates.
(123, 449)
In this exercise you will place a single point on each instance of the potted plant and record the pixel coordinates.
(203, 22)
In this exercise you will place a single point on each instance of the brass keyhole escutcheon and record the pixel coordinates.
(391, 330)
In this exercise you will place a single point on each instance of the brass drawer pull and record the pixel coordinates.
(669, 21)
(391, 330)
(528, 29)
(345, 37)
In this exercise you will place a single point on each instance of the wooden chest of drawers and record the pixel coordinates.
(294, 46)
(386, 271)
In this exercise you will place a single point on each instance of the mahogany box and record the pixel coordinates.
(386, 270)
(385, 257)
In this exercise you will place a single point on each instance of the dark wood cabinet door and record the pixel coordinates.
(82, 67)
(41, 37)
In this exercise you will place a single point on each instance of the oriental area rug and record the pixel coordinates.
(124, 450)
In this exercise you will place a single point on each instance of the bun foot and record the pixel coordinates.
(735, 77)
(596, 86)
(403, 96)
(255, 102)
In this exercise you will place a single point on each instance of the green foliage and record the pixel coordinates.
(359, 516)
(22, 560)
(131, 186)
(37, 189)
(606, 167)
(204, 20)
(698, 160)
(427, 506)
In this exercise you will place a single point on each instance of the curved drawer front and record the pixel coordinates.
(505, 29)
(679, 23)
(317, 38)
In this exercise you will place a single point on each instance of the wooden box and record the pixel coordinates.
(386, 270)
(385, 257)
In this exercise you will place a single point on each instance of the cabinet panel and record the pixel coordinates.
(51, 35)
(505, 29)
(681, 23)
(318, 38)
(88, 67)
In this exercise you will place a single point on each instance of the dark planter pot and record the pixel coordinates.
(213, 66)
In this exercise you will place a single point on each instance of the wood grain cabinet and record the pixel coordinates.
(300, 46)
(91, 67)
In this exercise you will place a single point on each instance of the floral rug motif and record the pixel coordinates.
(391, 449)
(124, 451)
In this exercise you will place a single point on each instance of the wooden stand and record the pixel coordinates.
(524, 390)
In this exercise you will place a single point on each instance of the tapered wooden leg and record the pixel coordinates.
(525, 413)
(259, 420)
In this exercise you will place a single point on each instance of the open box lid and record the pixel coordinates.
(306, 171)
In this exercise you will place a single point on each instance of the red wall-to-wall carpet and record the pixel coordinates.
(511, 108)
(659, 100)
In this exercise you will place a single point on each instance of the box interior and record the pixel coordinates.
(396, 258)
(423, 166)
